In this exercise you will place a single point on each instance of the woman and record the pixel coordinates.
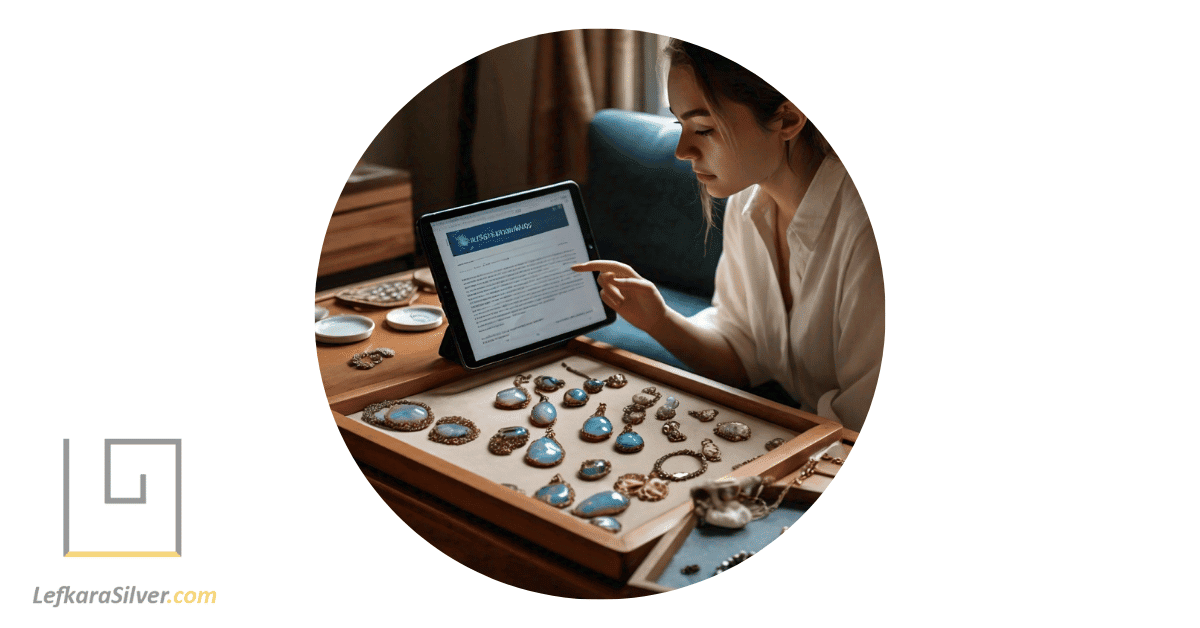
(799, 288)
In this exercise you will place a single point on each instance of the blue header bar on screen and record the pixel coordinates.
(506, 230)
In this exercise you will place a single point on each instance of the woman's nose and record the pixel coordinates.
(684, 149)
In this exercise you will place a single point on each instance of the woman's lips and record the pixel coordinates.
(704, 176)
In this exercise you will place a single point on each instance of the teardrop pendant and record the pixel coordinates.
(516, 397)
(545, 451)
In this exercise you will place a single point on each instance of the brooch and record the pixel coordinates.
(647, 488)
(671, 429)
(368, 359)
(508, 439)
(403, 415)
(453, 430)
(704, 416)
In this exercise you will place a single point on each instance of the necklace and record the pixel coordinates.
(593, 385)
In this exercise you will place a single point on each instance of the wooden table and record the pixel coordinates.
(470, 540)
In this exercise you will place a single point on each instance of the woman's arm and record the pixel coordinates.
(695, 343)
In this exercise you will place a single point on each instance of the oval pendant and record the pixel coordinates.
(557, 493)
(606, 523)
(545, 451)
(594, 469)
(629, 441)
(602, 504)
(544, 414)
(593, 386)
(597, 427)
(575, 397)
(508, 439)
(516, 397)
(403, 415)
(545, 383)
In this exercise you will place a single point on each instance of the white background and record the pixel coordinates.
(1030, 170)
(100, 527)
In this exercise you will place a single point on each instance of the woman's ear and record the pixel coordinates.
(788, 120)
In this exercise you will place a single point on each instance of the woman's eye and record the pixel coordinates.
(704, 133)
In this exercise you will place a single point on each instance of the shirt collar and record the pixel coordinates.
(814, 207)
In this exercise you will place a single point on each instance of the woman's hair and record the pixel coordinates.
(721, 81)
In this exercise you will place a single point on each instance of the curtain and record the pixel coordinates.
(576, 73)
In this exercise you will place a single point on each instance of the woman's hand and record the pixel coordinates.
(635, 298)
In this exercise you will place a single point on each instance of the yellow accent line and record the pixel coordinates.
(122, 555)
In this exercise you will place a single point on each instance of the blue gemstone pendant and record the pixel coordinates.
(557, 493)
(594, 469)
(545, 383)
(606, 523)
(508, 439)
(544, 414)
(602, 504)
(545, 451)
(574, 398)
(516, 397)
(629, 441)
(596, 428)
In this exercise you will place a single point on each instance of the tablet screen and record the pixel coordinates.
(507, 264)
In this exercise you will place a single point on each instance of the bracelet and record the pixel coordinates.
(680, 477)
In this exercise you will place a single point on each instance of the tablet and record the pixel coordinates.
(502, 269)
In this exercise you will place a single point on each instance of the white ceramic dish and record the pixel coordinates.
(415, 318)
(345, 328)
(320, 313)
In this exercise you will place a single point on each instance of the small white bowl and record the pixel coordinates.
(415, 318)
(344, 329)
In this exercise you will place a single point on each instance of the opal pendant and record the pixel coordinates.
(705, 416)
(575, 397)
(732, 430)
(508, 439)
(544, 414)
(545, 451)
(594, 469)
(667, 411)
(593, 386)
(602, 504)
(671, 430)
(629, 441)
(597, 427)
(606, 523)
(545, 383)
(557, 493)
(710, 451)
(516, 397)
(616, 381)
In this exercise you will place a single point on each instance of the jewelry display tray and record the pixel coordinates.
(470, 478)
(689, 544)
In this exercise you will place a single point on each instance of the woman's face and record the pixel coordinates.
(728, 159)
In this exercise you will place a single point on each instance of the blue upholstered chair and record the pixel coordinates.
(644, 208)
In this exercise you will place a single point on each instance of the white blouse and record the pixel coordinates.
(826, 351)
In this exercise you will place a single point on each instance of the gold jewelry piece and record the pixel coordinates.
(690, 569)
(453, 430)
(647, 488)
(593, 385)
(732, 431)
(667, 409)
(706, 415)
(594, 469)
(368, 359)
(545, 451)
(516, 397)
(403, 415)
(829, 458)
(680, 477)
(597, 428)
(635, 412)
(671, 429)
(711, 452)
(775, 442)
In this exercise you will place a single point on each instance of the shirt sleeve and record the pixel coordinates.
(730, 312)
(859, 348)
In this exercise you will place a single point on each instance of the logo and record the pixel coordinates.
(131, 515)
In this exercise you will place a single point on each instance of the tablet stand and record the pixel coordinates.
(449, 349)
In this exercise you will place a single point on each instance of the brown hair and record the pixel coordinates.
(722, 80)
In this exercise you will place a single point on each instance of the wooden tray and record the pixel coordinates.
(445, 471)
(800, 490)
